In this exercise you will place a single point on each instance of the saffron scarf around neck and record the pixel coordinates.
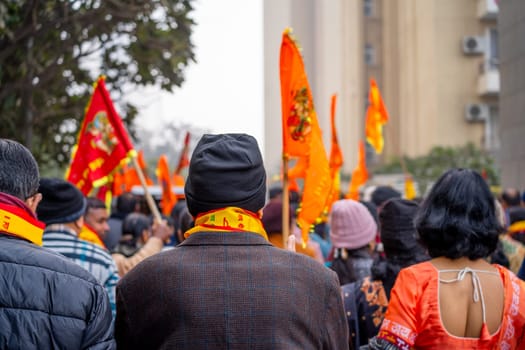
(88, 234)
(229, 219)
(16, 219)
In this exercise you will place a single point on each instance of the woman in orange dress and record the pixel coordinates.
(456, 300)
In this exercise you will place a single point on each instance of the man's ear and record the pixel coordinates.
(32, 202)
(79, 223)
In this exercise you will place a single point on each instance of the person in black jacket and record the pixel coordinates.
(47, 301)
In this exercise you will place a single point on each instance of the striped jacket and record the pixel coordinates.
(91, 257)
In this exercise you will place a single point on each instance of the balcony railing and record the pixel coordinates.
(488, 81)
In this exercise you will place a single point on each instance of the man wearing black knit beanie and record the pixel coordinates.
(62, 210)
(226, 286)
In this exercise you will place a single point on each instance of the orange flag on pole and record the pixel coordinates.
(130, 177)
(302, 134)
(102, 144)
(376, 117)
(297, 104)
(168, 199)
(184, 159)
(359, 175)
(336, 157)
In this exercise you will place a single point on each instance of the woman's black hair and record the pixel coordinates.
(458, 217)
(386, 269)
(134, 224)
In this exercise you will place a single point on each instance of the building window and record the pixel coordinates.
(370, 55)
(368, 8)
(492, 143)
(493, 52)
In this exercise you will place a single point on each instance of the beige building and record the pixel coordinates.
(435, 62)
(511, 24)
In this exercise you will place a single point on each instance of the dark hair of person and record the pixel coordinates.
(372, 208)
(386, 269)
(176, 212)
(458, 218)
(94, 203)
(343, 263)
(512, 197)
(134, 224)
(186, 220)
(19, 174)
(126, 203)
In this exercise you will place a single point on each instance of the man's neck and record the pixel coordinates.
(69, 227)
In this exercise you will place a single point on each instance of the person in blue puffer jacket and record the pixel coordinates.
(46, 300)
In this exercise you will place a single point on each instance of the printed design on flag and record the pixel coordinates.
(102, 133)
(299, 122)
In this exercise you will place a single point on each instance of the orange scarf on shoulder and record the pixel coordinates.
(230, 219)
(89, 235)
(16, 219)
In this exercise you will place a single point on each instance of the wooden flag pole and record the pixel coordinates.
(149, 198)
(286, 202)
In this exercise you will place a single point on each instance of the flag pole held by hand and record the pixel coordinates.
(149, 199)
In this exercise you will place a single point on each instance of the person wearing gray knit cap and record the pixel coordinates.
(226, 286)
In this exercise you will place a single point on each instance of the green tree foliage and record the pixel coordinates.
(51, 52)
(426, 169)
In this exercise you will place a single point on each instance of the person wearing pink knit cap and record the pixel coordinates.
(352, 232)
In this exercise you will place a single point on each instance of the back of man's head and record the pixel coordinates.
(383, 193)
(94, 203)
(61, 202)
(226, 170)
(18, 170)
(126, 203)
(511, 197)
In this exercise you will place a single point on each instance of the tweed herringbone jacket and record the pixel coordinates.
(230, 290)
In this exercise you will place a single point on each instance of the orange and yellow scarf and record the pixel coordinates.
(518, 226)
(16, 219)
(229, 219)
(89, 235)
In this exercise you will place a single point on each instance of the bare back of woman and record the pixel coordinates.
(470, 294)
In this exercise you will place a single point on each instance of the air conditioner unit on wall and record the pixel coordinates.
(473, 45)
(477, 112)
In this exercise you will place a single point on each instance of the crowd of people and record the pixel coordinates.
(380, 273)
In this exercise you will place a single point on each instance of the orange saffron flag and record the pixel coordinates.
(376, 117)
(169, 199)
(130, 177)
(336, 158)
(359, 175)
(302, 135)
(299, 169)
(184, 159)
(296, 100)
(102, 144)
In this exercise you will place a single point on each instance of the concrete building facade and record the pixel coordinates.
(511, 26)
(435, 62)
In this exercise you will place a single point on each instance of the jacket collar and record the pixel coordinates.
(224, 238)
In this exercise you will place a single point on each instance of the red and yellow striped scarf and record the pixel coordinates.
(88, 234)
(230, 219)
(16, 219)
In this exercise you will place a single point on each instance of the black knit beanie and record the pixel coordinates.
(383, 193)
(61, 202)
(226, 170)
(398, 233)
